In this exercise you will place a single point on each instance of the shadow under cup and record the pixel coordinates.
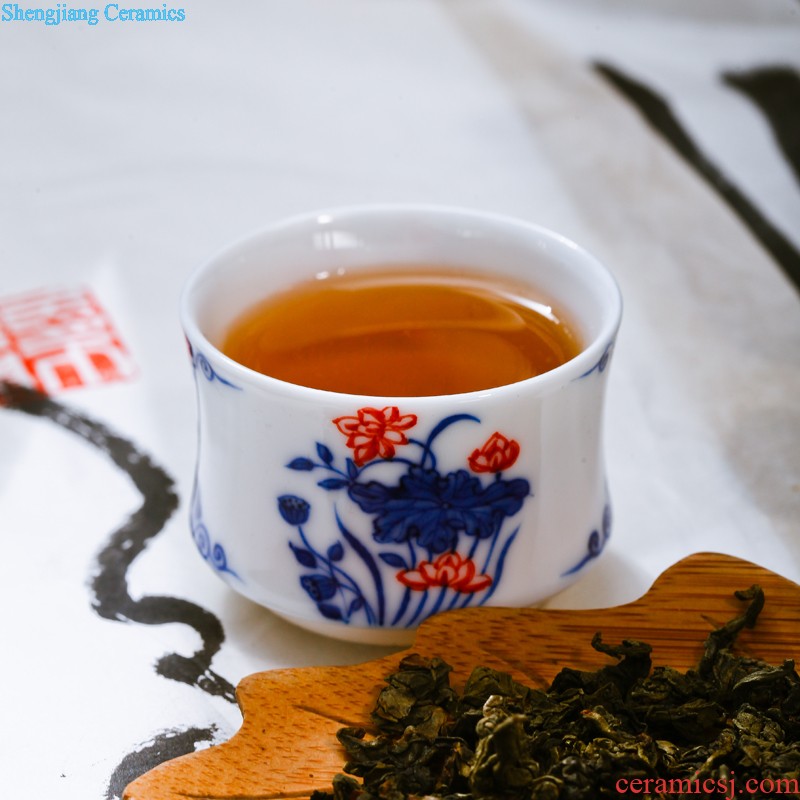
(360, 516)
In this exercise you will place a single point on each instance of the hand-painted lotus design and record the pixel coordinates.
(449, 570)
(374, 432)
(442, 536)
(497, 454)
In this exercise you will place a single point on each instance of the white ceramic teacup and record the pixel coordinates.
(360, 516)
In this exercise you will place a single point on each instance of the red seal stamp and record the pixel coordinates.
(59, 339)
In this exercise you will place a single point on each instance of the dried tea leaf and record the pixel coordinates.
(731, 719)
(418, 694)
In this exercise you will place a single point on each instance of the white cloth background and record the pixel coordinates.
(130, 152)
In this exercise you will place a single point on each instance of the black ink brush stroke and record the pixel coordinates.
(165, 746)
(109, 583)
(776, 92)
(659, 115)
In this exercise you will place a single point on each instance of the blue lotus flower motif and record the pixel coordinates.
(293, 509)
(419, 517)
(319, 587)
(434, 509)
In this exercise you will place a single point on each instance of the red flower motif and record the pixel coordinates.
(497, 454)
(375, 432)
(449, 569)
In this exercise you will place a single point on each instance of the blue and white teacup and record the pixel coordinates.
(360, 516)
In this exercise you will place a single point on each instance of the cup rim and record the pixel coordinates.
(583, 363)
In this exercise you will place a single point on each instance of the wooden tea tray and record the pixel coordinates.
(287, 747)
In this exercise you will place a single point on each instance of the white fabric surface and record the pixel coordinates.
(131, 152)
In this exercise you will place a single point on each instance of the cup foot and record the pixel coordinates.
(386, 637)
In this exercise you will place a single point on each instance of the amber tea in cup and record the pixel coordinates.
(402, 333)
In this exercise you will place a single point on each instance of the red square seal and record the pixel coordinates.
(54, 340)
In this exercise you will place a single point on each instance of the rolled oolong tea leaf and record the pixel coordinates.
(730, 720)
(418, 694)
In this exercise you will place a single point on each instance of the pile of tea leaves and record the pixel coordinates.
(728, 726)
